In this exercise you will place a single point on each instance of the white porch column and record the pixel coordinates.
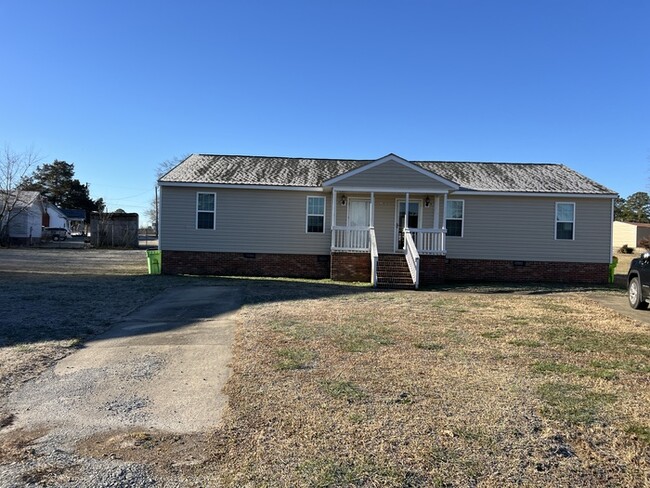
(436, 212)
(406, 212)
(333, 208)
(333, 218)
(372, 209)
(444, 212)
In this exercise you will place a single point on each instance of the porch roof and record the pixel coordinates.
(309, 172)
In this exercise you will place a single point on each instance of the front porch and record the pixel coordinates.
(388, 236)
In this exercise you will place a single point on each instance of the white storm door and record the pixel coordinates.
(359, 217)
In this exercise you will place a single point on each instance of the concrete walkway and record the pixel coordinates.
(619, 304)
(164, 367)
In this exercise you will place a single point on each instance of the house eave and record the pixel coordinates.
(534, 194)
(236, 186)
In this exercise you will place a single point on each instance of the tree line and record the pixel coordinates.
(56, 182)
(635, 208)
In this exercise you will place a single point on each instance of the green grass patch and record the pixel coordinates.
(429, 346)
(290, 359)
(554, 307)
(525, 343)
(355, 339)
(628, 366)
(493, 334)
(343, 390)
(327, 472)
(552, 367)
(295, 329)
(582, 340)
(641, 432)
(571, 403)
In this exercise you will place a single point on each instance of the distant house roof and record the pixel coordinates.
(74, 213)
(24, 198)
(636, 224)
(306, 172)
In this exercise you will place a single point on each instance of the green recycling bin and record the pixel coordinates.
(612, 268)
(154, 258)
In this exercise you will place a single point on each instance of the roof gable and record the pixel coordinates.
(397, 172)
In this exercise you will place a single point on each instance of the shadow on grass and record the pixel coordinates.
(59, 307)
(486, 288)
(41, 306)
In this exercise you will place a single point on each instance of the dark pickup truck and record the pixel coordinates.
(638, 281)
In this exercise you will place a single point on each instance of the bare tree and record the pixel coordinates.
(162, 169)
(14, 167)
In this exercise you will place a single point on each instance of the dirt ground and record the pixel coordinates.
(338, 385)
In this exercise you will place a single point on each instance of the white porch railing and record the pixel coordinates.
(412, 257)
(350, 239)
(429, 241)
(374, 256)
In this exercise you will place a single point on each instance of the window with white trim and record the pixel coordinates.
(455, 215)
(565, 214)
(316, 214)
(206, 210)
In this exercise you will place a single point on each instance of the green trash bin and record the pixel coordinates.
(154, 258)
(612, 268)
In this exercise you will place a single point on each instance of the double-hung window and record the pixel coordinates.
(455, 215)
(565, 214)
(316, 214)
(206, 210)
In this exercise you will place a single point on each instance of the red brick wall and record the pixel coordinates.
(531, 271)
(243, 264)
(432, 270)
(356, 267)
(350, 266)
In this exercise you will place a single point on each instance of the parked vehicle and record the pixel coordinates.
(638, 282)
(55, 233)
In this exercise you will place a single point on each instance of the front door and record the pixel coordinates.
(358, 216)
(400, 218)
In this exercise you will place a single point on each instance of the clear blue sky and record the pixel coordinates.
(116, 87)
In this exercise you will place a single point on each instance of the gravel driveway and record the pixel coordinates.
(159, 372)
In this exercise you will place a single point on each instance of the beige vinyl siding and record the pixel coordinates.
(385, 205)
(390, 175)
(255, 221)
(523, 229)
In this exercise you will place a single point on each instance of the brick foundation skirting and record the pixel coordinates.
(350, 266)
(342, 266)
(246, 264)
(473, 270)
(432, 270)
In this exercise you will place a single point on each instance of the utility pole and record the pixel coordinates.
(156, 222)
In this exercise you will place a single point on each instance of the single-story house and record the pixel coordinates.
(388, 221)
(77, 219)
(54, 216)
(630, 234)
(21, 217)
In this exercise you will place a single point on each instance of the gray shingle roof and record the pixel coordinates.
(278, 171)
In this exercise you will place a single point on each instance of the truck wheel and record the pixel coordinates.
(634, 294)
(55, 238)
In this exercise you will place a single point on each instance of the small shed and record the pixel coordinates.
(114, 229)
(630, 233)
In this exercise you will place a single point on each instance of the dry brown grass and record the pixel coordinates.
(436, 389)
